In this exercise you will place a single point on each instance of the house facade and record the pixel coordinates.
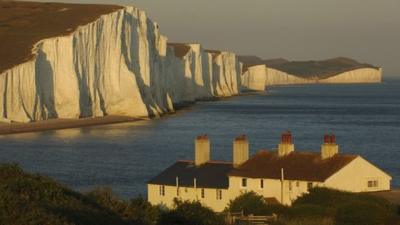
(281, 175)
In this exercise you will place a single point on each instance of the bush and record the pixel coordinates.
(35, 200)
(192, 213)
(136, 210)
(344, 207)
(362, 213)
(252, 203)
(308, 211)
(305, 221)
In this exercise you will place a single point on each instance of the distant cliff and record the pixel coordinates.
(283, 72)
(108, 61)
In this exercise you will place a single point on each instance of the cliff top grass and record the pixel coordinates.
(23, 24)
(308, 69)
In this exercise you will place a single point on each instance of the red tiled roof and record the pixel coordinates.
(306, 166)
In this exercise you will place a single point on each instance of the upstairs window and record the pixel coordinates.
(309, 185)
(219, 194)
(297, 184)
(244, 182)
(290, 185)
(162, 190)
(372, 183)
(202, 193)
(262, 184)
(178, 192)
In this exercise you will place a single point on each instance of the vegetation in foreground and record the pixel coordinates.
(36, 200)
(322, 206)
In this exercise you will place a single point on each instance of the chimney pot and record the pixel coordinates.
(327, 139)
(329, 148)
(286, 146)
(333, 139)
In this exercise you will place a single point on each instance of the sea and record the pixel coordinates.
(364, 117)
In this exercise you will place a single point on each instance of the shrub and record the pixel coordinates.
(252, 203)
(35, 200)
(192, 213)
(136, 210)
(362, 213)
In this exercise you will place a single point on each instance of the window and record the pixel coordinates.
(186, 190)
(297, 184)
(262, 184)
(244, 182)
(372, 183)
(290, 185)
(162, 190)
(309, 185)
(202, 193)
(219, 194)
(178, 192)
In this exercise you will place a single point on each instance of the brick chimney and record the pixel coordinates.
(240, 150)
(202, 150)
(286, 146)
(329, 148)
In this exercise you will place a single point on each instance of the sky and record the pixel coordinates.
(365, 30)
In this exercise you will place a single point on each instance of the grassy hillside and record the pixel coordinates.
(31, 199)
(23, 24)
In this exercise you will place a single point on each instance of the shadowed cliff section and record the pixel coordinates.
(23, 24)
(180, 49)
(308, 69)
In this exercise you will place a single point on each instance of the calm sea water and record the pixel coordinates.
(365, 118)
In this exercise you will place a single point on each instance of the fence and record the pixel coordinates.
(241, 219)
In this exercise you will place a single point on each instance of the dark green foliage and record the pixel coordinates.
(333, 198)
(322, 206)
(362, 213)
(192, 213)
(344, 207)
(30, 199)
(307, 210)
(252, 203)
(136, 210)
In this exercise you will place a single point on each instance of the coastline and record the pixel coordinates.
(60, 124)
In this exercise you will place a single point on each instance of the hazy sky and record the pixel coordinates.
(366, 30)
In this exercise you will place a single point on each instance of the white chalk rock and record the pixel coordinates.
(254, 78)
(119, 64)
(364, 75)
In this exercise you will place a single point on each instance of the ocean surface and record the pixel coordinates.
(365, 118)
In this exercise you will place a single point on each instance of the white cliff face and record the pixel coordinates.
(255, 78)
(225, 81)
(276, 77)
(365, 75)
(258, 77)
(117, 65)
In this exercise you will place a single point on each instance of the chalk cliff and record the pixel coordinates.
(364, 75)
(254, 78)
(118, 64)
(259, 73)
